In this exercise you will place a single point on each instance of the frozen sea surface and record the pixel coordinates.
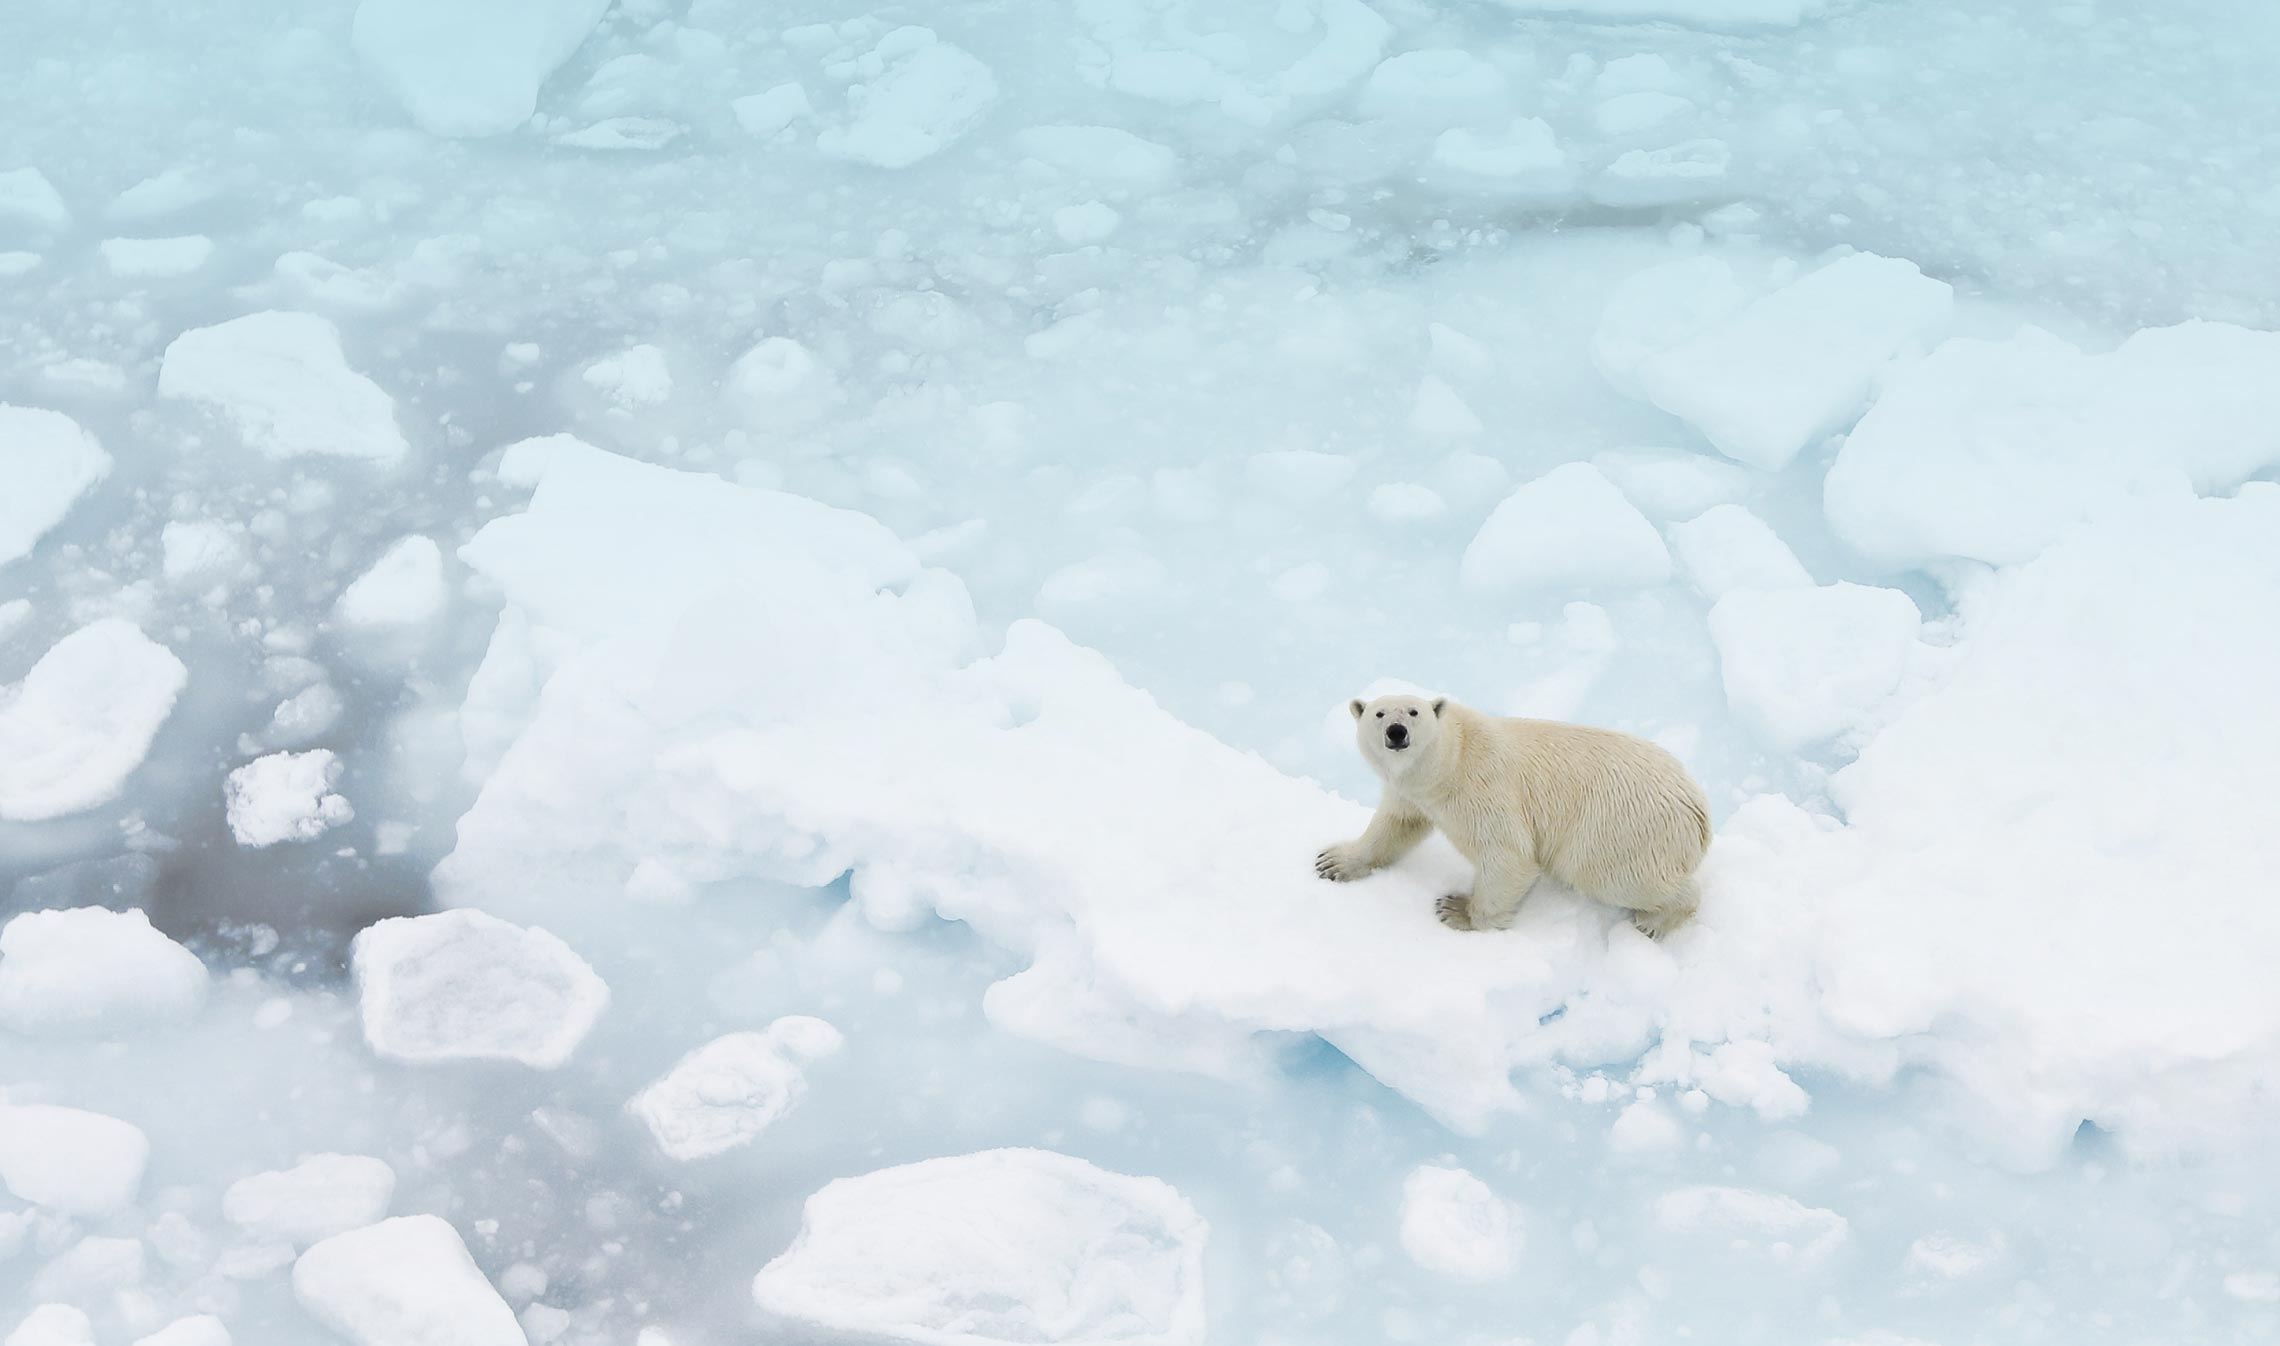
(669, 670)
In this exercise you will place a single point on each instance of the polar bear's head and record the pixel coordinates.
(1396, 732)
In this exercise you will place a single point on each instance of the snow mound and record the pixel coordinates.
(927, 95)
(1992, 450)
(725, 1093)
(202, 1329)
(79, 1163)
(1726, 548)
(1799, 364)
(1002, 1246)
(463, 986)
(1454, 1226)
(403, 1282)
(83, 719)
(1725, 1220)
(470, 70)
(1805, 664)
(323, 1195)
(93, 970)
(286, 796)
(283, 382)
(403, 588)
(53, 1325)
(48, 462)
(1567, 528)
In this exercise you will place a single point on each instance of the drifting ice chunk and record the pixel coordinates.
(1740, 1219)
(1106, 155)
(160, 195)
(638, 376)
(1993, 450)
(286, 796)
(403, 1282)
(1524, 157)
(1683, 172)
(403, 588)
(1569, 527)
(281, 379)
(29, 201)
(930, 95)
(1712, 14)
(1453, 1225)
(767, 113)
(1659, 308)
(156, 258)
(82, 720)
(53, 1325)
(1799, 363)
(725, 1093)
(463, 986)
(80, 1163)
(1003, 1246)
(202, 1330)
(93, 970)
(1437, 86)
(47, 462)
(323, 1195)
(1670, 484)
(780, 382)
(470, 70)
(1727, 547)
(94, 1267)
(1806, 664)
(199, 550)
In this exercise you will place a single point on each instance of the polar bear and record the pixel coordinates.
(1606, 813)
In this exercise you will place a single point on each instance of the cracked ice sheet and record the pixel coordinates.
(818, 710)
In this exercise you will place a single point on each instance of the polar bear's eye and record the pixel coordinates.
(1381, 714)
(1413, 715)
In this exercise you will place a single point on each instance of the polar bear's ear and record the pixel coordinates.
(1355, 706)
(1438, 702)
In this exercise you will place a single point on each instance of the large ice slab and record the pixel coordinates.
(70, 1160)
(927, 95)
(1004, 1246)
(48, 461)
(470, 70)
(1569, 528)
(725, 1093)
(1806, 663)
(463, 986)
(322, 1195)
(1992, 450)
(83, 719)
(91, 970)
(403, 1282)
(1771, 379)
(282, 381)
(404, 587)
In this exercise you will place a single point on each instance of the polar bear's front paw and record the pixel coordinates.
(1455, 911)
(1340, 864)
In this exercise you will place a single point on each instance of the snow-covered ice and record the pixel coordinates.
(286, 796)
(1804, 663)
(725, 1093)
(70, 1160)
(1452, 1224)
(920, 95)
(1000, 1246)
(322, 1195)
(403, 588)
(1568, 528)
(461, 985)
(90, 970)
(284, 385)
(407, 1281)
(468, 73)
(82, 720)
(49, 461)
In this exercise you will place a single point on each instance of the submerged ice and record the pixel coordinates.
(667, 672)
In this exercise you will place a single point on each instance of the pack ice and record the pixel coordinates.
(407, 1281)
(462, 985)
(82, 720)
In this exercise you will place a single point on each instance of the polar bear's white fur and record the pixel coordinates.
(1606, 813)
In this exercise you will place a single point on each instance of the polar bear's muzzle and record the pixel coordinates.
(1397, 736)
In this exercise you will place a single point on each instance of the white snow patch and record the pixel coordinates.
(1687, 171)
(286, 796)
(998, 1247)
(1454, 1226)
(1567, 528)
(403, 1282)
(83, 719)
(1754, 1223)
(725, 1093)
(1671, 483)
(470, 70)
(53, 1325)
(1726, 547)
(199, 551)
(93, 970)
(462, 985)
(202, 1329)
(48, 462)
(772, 110)
(79, 1163)
(781, 383)
(927, 96)
(1807, 663)
(1522, 157)
(403, 588)
(322, 1195)
(282, 381)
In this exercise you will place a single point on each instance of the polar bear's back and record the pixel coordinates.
(1609, 813)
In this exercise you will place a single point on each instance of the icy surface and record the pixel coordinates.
(1001, 1246)
(70, 1160)
(1453, 1225)
(93, 971)
(1569, 528)
(282, 383)
(403, 1282)
(727, 1092)
(460, 985)
(48, 462)
(404, 587)
(461, 71)
(286, 796)
(1806, 663)
(82, 720)
(323, 1195)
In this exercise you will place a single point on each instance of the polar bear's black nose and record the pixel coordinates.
(1397, 736)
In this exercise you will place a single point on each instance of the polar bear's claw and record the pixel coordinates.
(1455, 911)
